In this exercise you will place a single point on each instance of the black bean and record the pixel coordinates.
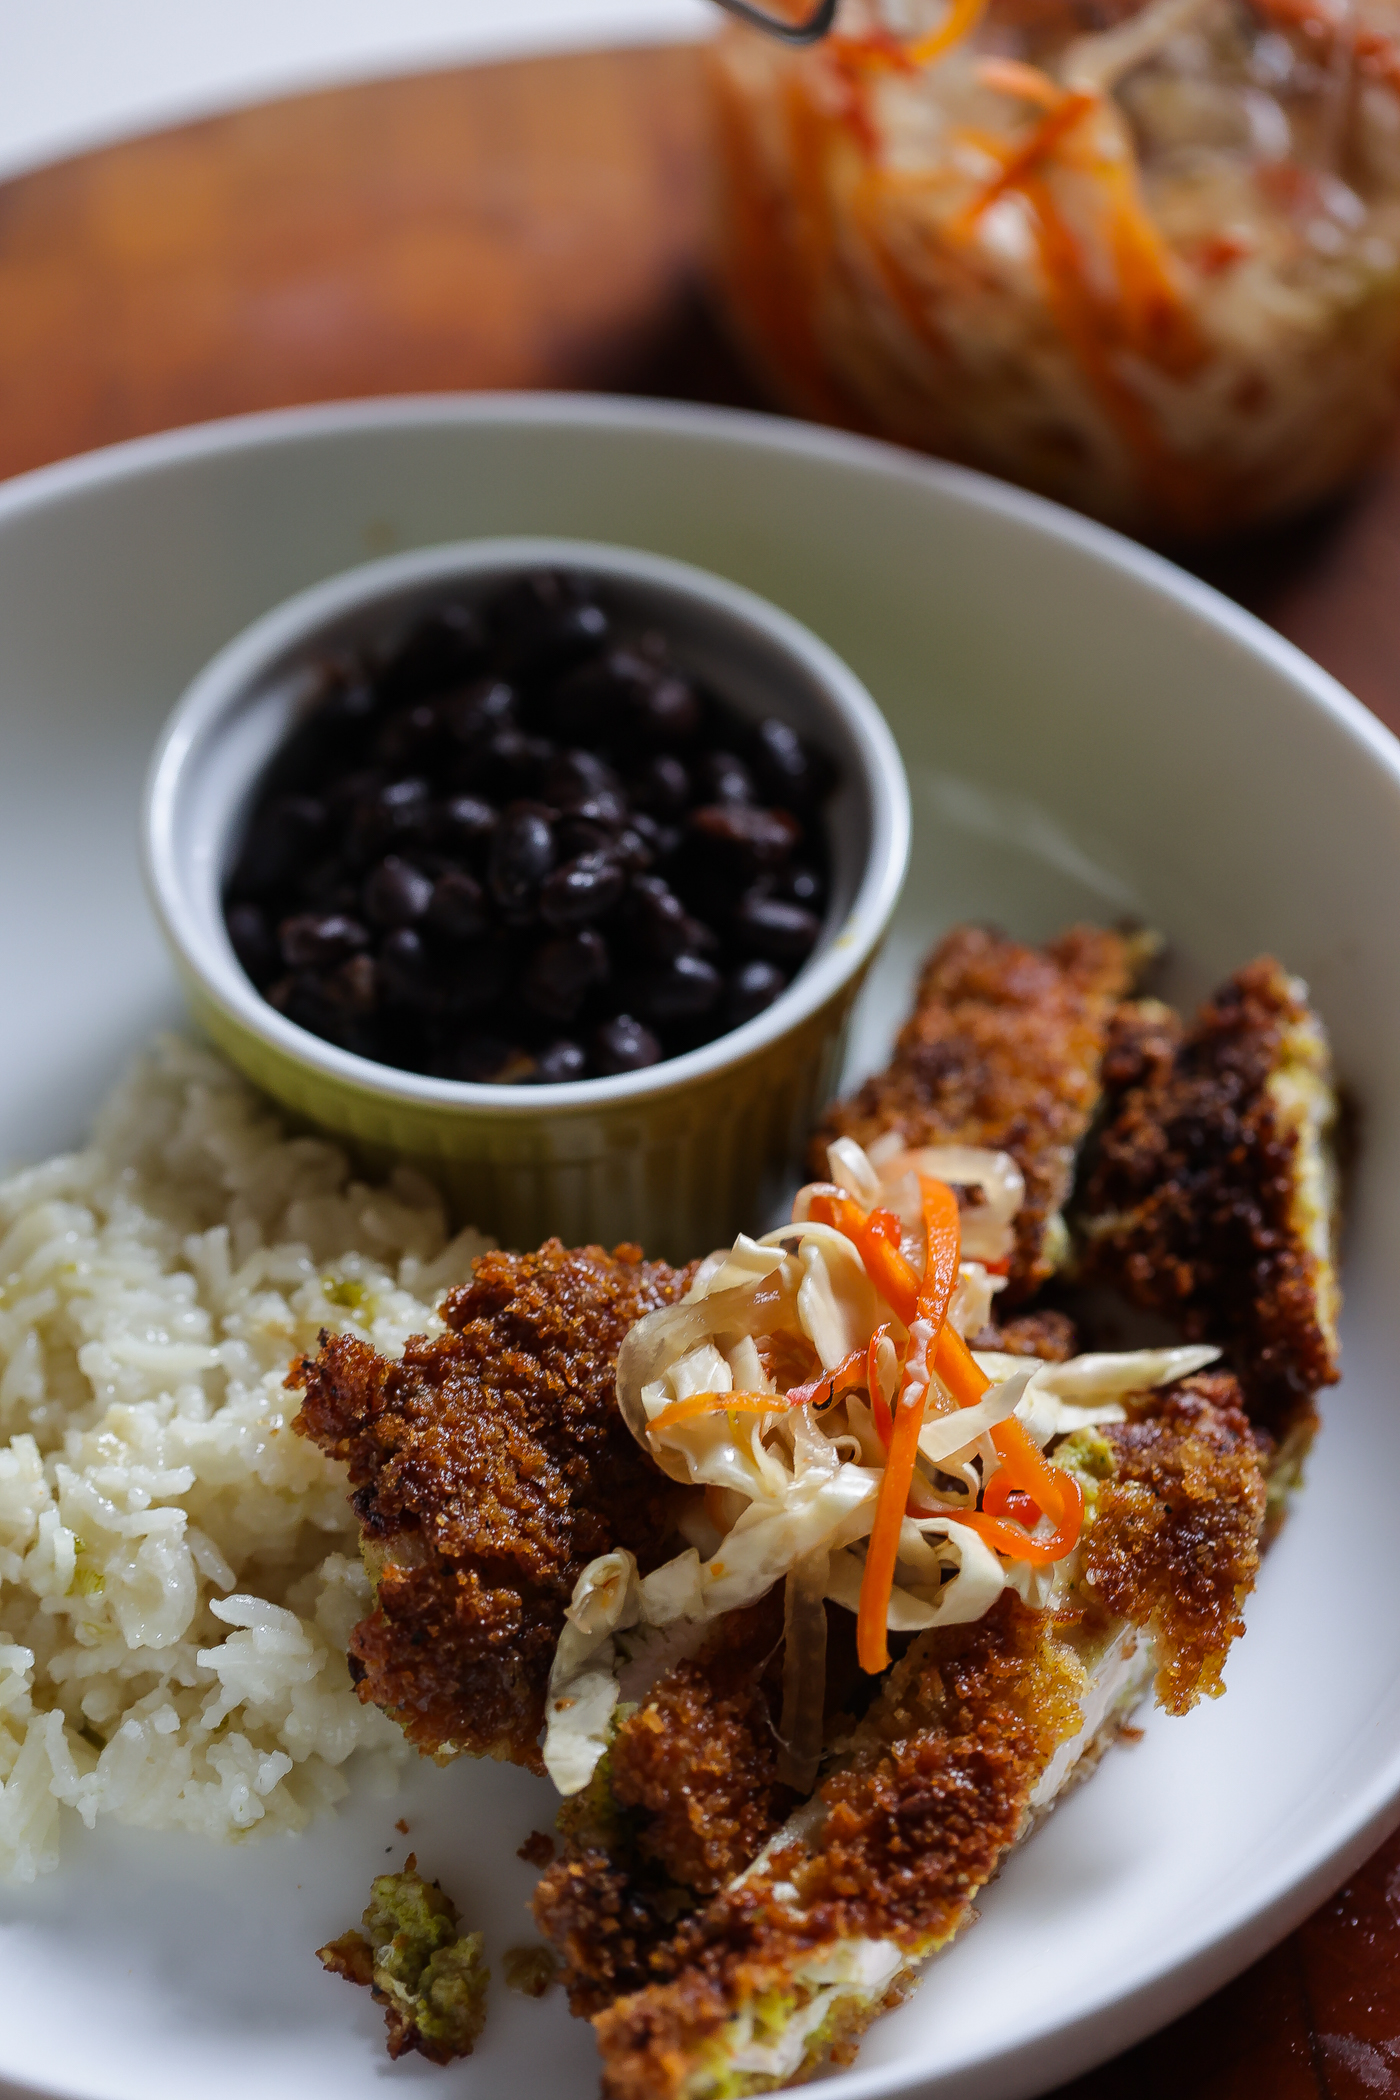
(769, 926)
(789, 771)
(441, 650)
(656, 918)
(632, 849)
(575, 776)
(407, 738)
(314, 940)
(663, 786)
(753, 986)
(514, 764)
(547, 621)
(479, 712)
(721, 777)
(522, 853)
(624, 1045)
(252, 940)
(660, 840)
(679, 990)
(474, 978)
(801, 886)
(574, 836)
(561, 1062)
(582, 889)
(332, 732)
(354, 986)
(405, 972)
(561, 973)
(489, 1060)
(282, 841)
(669, 712)
(742, 836)
(457, 908)
(396, 894)
(464, 825)
(399, 811)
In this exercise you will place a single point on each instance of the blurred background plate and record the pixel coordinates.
(1088, 732)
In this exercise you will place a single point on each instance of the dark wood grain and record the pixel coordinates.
(536, 225)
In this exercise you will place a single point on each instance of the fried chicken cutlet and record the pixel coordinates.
(974, 1734)
(1003, 1051)
(488, 1468)
(1213, 1198)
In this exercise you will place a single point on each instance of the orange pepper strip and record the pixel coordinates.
(1056, 1492)
(1008, 76)
(935, 1292)
(718, 1404)
(884, 1265)
(842, 1378)
(1001, 1499)
(1006, 1537)
(960, 21)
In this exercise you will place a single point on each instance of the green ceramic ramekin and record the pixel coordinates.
(679, 1156)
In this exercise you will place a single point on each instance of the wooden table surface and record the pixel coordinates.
(541, 225)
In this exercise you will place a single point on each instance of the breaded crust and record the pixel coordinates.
(1003, 1050)
(1211, 1200)
(938, 1789)
(686, 1798)
(944, 1766)
(489, 1467)
(1174, 1542)
(1049, 1335)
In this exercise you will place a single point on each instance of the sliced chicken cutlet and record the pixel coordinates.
(974, 1735)
(1214, 1196)
(489, 1467)
(1003, 1051)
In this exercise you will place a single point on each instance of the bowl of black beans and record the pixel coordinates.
(547, 867)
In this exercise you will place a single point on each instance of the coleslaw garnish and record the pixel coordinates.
(833, 1430)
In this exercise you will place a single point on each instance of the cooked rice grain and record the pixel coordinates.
(178, 1570)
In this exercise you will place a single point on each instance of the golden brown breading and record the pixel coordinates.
(687, 1797)
(938, 1788)
(1210, 1200)
(489, 1467)
(1174, 1542)
(1003, 1049)
(1049, 1335)
(940, 1778)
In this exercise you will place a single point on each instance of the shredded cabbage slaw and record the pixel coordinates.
(815, 1395)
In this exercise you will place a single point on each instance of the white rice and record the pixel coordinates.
(178, 1570)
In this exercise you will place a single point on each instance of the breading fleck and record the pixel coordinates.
(1002, 1050)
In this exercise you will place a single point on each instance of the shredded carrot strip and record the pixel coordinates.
(960, 21)
(940, 1277)
(884, 1265)
(1043, 140)
(718, 1404)
(1051, 1489)
(1005, 1537)
(1008, 76)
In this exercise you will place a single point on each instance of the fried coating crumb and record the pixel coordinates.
(1212, 1199)
(937, 1790)
(937, 1779)
(1003, 1049)
(1051, 1336)
(489, 1467)
(537, 1850)
(529, 1970)
(687, 1796)
(1174, 1542)
(429, 1977)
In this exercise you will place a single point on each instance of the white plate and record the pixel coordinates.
(1088, 732)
